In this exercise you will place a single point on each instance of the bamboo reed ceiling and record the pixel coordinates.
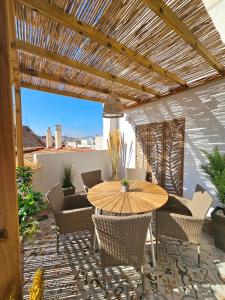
(79, 47)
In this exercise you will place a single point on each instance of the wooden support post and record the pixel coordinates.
(10, 267)
(19, 128)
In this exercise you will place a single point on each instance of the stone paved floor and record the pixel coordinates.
(76, 272)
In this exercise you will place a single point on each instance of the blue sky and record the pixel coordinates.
(78, 118)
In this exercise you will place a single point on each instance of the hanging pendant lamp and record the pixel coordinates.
(113, 108)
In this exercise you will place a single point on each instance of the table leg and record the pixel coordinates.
(152, 245)
(95, 238)
(156, 235)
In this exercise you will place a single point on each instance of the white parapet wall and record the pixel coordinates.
(51, 168)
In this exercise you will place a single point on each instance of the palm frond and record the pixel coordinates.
(215, 171)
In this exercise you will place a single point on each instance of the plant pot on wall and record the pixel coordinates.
(67, 179)
(69, 191)
(218, 222)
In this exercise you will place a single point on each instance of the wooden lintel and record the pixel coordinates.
(27, 47)
(58, 92)
(67, 20)
(74, 83)
(177, 91)
(170, 18)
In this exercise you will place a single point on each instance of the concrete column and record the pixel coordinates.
(49, 138)
(58, 136)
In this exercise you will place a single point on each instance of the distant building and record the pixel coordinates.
(99, 142)
(86, 143)
(31, 141)
(72, 144)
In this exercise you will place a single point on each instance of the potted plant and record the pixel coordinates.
(125, 185)
(67, 178)
(215, 171)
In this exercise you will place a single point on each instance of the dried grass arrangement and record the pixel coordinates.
(36, 290)
(114, 146)
(32, 164)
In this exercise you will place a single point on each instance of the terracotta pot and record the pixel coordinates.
(218, 222)
(69, 191)
(125, 188)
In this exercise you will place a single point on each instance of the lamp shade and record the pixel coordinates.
(113, 108)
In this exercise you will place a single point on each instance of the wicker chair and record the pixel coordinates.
(183, 219)
(90, 179)
(136, 174)
(122, 240)
(71, 213)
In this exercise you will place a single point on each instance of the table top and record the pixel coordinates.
(142, 197)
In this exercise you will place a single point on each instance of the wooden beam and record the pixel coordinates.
(19, 128)
(10, 270)
(58, 92)
(72, 22)
(170, 18)
(13, 52)
(80, 66)
(61, 80)
(15, 80)
(178, 90)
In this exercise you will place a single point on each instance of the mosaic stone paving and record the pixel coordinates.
(76, 272)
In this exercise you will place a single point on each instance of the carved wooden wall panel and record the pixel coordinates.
(160, 150)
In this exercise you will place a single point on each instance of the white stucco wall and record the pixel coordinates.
(204, 112)
(51, 167)
(216, 10)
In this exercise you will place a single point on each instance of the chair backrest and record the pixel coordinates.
(201, 202)
(92, 178)
(122, 239)
(136, 174)
(55, 198)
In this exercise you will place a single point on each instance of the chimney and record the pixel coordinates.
(58, 137)
(49, 138)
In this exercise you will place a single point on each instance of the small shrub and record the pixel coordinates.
(124, 182)
(30, 202)
(67, 177)
(215, 171)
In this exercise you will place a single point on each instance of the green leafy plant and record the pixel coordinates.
(124, 182)
(67, 177)
(215, 171)
(30, 202)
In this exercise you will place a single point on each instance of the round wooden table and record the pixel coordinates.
(142, 197)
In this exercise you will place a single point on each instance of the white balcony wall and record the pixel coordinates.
(204, 112)
(51, 169)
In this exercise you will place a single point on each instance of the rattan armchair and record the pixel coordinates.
(136, 174)
(91, 178)
(71, 213)
(183, 219)
(122, 240)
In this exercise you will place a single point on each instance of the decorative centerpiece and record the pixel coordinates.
(125, 185)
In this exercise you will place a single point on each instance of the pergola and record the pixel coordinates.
(148, 49)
